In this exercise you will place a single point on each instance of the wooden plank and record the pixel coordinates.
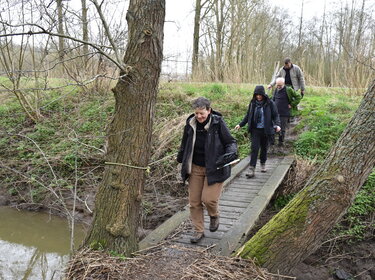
(164, 229)
(204, 242)
(222, 227)
(246, 180)
(215, 235)
(240, 192)
(238, 196)
(229, 215)
(172, 223)
(223, 220)
(226, 203)
(239, 204)
(246, 187)
(248, 183)
(207, 235)
(227, 208)
(241, 197)
(234, 237)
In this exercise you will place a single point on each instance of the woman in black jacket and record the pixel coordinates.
(262, 121)
(206, 147)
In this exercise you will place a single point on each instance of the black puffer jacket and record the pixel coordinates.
(220, 148)
(271, 116)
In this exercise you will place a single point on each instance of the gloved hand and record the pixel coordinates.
(225, 158)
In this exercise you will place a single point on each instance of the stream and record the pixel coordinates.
(34, 245)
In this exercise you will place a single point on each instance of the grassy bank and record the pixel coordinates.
(67, 147)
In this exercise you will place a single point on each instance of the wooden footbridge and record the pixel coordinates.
(241, 203)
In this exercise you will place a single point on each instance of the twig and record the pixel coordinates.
(355, 277)
(149, 248)
(44, 31)
(279, 275)
(209, 247)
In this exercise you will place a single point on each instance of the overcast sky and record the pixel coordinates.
(180, 16)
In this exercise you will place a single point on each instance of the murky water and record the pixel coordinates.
(33, 245)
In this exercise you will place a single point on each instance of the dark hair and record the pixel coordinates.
(287, 60)
(201, 102)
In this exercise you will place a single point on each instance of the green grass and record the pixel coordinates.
(65, 118)
(70, 115)
(358, 223)
(324, 117)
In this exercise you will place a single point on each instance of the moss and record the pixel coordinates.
(98, 245)
(288, 223)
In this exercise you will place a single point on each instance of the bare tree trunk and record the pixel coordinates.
(297, 230)
(360, 25)
(129, 137)
(300, 27)
(219, 14)
(85, 31)
(60, 17)
(197, 20)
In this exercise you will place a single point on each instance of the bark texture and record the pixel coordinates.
(297, 230)
(197, 21)
(60, 16)
(129, 137)
(85, 31)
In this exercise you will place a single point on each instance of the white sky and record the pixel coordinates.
(178, 30)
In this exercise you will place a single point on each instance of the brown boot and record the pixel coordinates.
(214, 223)
(197, 236)
(251, 172)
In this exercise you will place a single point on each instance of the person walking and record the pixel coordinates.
(262, 120)
(293, 76)
(206, 149)
(286, 100)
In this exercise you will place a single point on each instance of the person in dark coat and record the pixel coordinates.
(262, 121)
(206, 149)
(286, 99)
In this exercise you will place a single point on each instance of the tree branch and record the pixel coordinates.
(106, 28)
(44, 31)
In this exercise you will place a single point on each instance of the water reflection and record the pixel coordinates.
(33, 245)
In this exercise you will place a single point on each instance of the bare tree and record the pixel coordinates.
(85, 31)
(60, 16)
(243, 39)
(129, 143)
(196, 35)
(300, 27)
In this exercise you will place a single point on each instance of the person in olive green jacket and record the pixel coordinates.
(286, 100)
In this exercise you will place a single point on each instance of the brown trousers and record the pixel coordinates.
(200, 193)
